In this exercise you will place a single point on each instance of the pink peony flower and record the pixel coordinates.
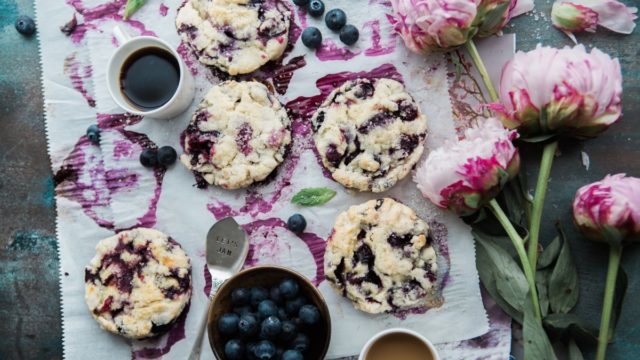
(431, 25)
(609, 209)
(583, 15)
(547, 91)
(463, 176)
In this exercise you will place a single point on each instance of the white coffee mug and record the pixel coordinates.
(378, 336)
(181, 99)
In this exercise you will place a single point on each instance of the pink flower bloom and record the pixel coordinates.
(463, 176)
(431, 25)
(547, 91)
(609, 210)
(583, 15)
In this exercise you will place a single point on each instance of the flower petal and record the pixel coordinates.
(612, 14)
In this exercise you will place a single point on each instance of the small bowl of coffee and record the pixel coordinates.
(398, 344)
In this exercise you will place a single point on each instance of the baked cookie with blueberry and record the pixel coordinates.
(236, 36)
(238, 135)
(138, 283)
(369, 133)
(381, 258)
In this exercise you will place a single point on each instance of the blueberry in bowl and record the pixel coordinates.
(269, 312)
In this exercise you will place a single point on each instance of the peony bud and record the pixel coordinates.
(547, 91)
(584, 15)
(609, 210)
(570, 17)
(463, 176)
(433, 25)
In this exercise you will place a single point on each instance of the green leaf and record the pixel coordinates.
(563, 282)
(495, 16)
(313, 196)
(536, 343)
(565, 326)
(550, 253)
(574, 351)
(131, 7)
(486, 270)
(622, 283)
(542, 285)
(511, 283)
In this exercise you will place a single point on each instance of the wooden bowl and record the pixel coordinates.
(268, 276)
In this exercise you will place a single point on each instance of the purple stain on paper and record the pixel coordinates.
(164, 9)
(377, 49)
(79, 73)
(259, 231)
(189, 59)
(328, 51)
(122, 149)
(162, 345)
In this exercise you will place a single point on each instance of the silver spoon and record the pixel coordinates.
(227, 249)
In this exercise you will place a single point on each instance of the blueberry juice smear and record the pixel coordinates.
(149, 77)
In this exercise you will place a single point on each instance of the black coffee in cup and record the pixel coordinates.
(149, 77)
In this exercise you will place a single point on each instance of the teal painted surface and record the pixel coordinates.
(29, 305)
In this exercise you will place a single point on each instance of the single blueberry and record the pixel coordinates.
(311, 37)
(292, 355)
(289, 288)
(349, 34)
(228, 324)
(267, 308)
(234, 349)
(265, 350)
(167, 156)
(25, 25)
(257, 295)
(270, 328)
(93, 134)
(335, 19)
(248, 325)
(275, 295)
(149, 157)
(240, 296)
(309, 314)
(242, 310)
(300, 343)
(293, 306)
(301, 2)
(289, 330)
(297, 223)
(316, 8)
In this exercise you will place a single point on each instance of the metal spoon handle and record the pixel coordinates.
(196, 350)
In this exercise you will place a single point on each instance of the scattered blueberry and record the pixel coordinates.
(248, 325)
(301, 2)
(289, 330)
(275, 295)
(25, 25)
(316, 8)
(297, 223)
(267, 308)
(228, 324)
(257, 295)
(289, 288)
(309, 315)
(312, 37)
(270, 328)
(149, 157)
(300, 343)
(93, 134)
(242, 310)
(293, 306)
(234, 350)
(240, 296)
(265, 350)
(335, 19)
(349, 34)
(292, 355)
(167, 156)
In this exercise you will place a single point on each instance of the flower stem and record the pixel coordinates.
(518, 244)
(477, 61)
(615, 252)
(538, 201)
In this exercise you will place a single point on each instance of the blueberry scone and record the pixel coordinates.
(380, 257)
(369, 133)
(238, 135)
(236, 36)
(138, 283)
